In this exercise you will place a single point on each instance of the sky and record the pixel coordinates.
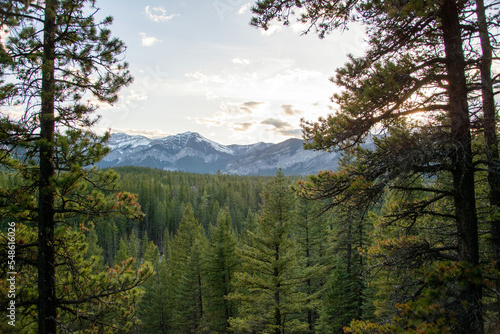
(199, 66)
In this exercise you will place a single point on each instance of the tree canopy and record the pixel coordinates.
(58, 65)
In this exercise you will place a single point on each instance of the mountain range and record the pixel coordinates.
(191, 152)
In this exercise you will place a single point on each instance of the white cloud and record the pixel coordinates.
(203, 78)
(240, 61)
(159, 14)
(146, 133)
(148, 40)
(294, 76)
(211, 96)
(245, 8)
(134, 96)
(274, 28)
(276, 80)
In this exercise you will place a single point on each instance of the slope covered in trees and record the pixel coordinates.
(404, 237)
(425, 89)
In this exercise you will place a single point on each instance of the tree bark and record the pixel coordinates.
(47, 308)
(490, 135)
(463, 171)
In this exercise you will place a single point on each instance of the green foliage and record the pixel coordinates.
(157, 305)
(110, 294)
(266, 288)
(340, 301)
(58, 58)
(221, 263)
(185, 262)
(311, 235)
(409, 110)
(163, 196)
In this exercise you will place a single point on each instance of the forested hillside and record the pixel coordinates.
(249, 257)
(163, 197)
(402, 237)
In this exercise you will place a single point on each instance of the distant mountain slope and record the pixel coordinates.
(194, 153)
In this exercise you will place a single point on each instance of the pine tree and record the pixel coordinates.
(418, 63)
(221, 263)
(186, 265)
(267, 287)
(93, 248)
(340, 301)
(111, 293)
(122, 254)
(157, 304)
(57, 57)
(311, 235)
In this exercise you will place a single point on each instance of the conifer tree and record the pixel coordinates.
(221, 263)
(418, 63)
(311, 235)
(111, 294)
(123, 252)
(157, 304)
(186, 264)
(93, 248)
(56, 57)
(267, 287)
(340, 302)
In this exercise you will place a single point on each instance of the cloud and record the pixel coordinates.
(249, 106)
(294, 75)
(238, 108)
(158, 14)
(240, 61)
(289, 110)
(239, 116)
(218, 119)
(145, 133)
(203, 78)
(271, 30)
(290, 132)
(211, 96)
(282, 128)
(148, 40)
(245, 8)
(276, 123)
(242, 126)
(133, 96)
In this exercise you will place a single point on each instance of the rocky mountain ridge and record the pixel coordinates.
(194, 153)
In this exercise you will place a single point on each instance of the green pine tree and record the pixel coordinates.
(311, 235)
(221, 262)
(340, 301)
(267, 287)
(156, 307)
(186, 265)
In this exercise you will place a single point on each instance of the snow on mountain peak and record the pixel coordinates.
(190, 151)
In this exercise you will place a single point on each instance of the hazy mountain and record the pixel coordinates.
(194, 153)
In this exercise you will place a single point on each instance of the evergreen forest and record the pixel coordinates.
(403, 237)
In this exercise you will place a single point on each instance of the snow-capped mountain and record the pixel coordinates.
(194, 153)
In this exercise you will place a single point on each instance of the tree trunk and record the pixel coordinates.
(490, 136)
(463, 171)
(47, 310)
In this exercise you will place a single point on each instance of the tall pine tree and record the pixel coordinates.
(185, 262)
(221, 263)
(267, 287)
(57, 57)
